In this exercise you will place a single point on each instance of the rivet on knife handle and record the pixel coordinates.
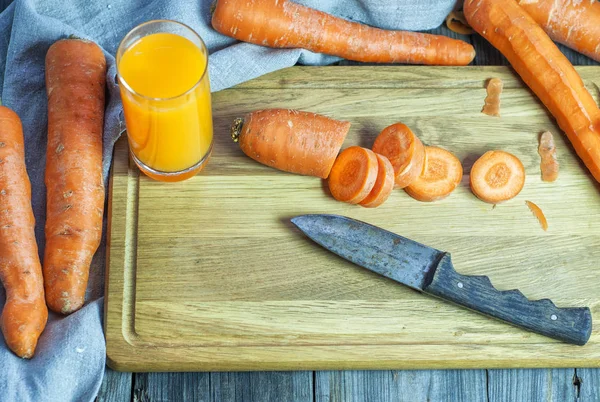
(571, 325)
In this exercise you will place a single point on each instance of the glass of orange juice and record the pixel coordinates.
(162, 69)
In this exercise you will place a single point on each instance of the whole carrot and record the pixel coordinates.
(75, 81)
(574, 23)
(285, 24)
(544, 69)
(25, 313)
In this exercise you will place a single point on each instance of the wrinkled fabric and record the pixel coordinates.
(70, 358)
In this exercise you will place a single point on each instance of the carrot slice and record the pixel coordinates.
(353, 174)
(538, 213)
(441, 175)
(549, 164)
(497, 176)
(404, 150)
(383, 185)
(492, 100)
(456, 22)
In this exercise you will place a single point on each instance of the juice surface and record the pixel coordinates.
(169, 127)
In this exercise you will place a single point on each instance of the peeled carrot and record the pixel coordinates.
(285, 24)
(441, 174)
(497, 176)
(574, 23)
(383, 185)
(404, 150)
(539, 214)
(549, 164)
(492, 100)
(25, 313)
(75, 82)
(290, 140)
(544, 69)
(353, 175)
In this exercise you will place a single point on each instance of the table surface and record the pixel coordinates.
(573, 384)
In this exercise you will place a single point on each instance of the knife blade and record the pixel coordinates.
(429, 270)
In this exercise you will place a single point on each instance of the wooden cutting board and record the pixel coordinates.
(209, 274)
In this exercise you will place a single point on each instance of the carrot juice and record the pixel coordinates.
(163, 79)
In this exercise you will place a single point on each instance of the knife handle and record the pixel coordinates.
(571, 325)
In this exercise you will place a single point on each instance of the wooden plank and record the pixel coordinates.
(400, 386)
(116, 387)
(262, 386)
(531, 385)
(167, 387)
(306, 308)
(587, 384)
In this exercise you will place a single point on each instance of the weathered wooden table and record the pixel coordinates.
(530, 385)
(572, 384)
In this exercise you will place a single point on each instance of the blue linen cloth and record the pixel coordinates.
(70, 359)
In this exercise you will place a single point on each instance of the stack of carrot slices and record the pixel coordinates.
(360, 176)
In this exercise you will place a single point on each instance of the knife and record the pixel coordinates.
(431, 271)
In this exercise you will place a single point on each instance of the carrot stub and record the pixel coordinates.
(404, 150)
(353, 175)
(441, 174)
(25, 313)
(492, 100)
(456, 22)
(544, 68)
(497, 176)
(574, 23)
(538, 213)
(285, 24)
(549, 164)
(383, 185)
(75, 82)
(290, 140)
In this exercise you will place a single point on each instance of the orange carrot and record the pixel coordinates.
(574, 23)
(404, 150)
(492, 100)
(285, 24)
(25, 312)
(497, 176)
(75, 81)
(539, 214)
(290, 140)
(441, 174)
(383, 185)
(353, 175)
(544, 69)
(456, 22)
(549, 164)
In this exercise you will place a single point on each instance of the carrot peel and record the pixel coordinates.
(538, 213)
(492, 100)
(549, 162)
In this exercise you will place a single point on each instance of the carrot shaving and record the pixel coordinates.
(537, 212)
(492, 100)
(549, 164)
(456, 22)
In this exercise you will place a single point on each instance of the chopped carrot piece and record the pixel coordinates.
(456, 22)
(537, 212)
(353, 174)
(441, 175)
(404, 150)
(549, 164)
(383, 185)
(497, 176)
(492, 100)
